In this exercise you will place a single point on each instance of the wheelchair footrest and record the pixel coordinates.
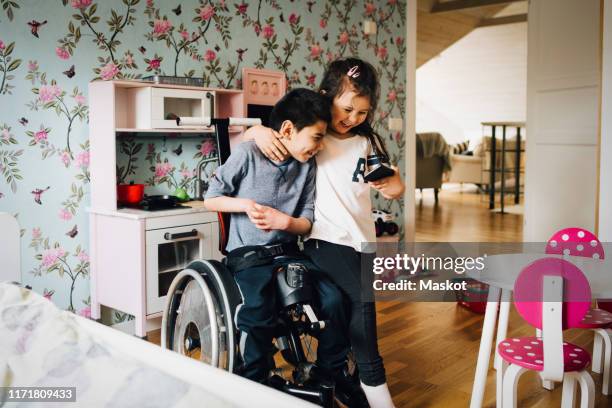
(322, 394)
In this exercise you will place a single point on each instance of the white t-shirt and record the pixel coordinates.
(343, 207)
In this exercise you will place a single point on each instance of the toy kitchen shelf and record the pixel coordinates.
(136, 253)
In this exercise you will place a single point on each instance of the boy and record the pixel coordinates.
(271, 204)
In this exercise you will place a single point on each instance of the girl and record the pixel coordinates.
(343, 224)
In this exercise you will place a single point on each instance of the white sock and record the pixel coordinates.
(378, 396)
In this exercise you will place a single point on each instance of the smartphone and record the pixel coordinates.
(378, 173)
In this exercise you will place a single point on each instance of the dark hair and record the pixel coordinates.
(303, 107)
(358, 75)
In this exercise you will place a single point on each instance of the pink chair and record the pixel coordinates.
(580, 242)
(551, 294)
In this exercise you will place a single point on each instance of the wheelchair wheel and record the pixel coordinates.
(197, 319)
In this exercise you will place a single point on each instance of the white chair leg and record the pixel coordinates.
(547, 385)
(587, 389)
(501, 369)
(606, 336)
(511, 379)
(568, 394)
(597, 352)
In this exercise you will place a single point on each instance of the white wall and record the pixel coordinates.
(605, 170)
(482, 77)
(563, 89)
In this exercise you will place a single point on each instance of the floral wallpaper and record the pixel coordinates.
(51, 49)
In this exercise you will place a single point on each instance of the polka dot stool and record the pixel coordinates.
(567, 300)
(581, 242)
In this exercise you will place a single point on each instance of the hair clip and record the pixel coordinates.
(353, 72)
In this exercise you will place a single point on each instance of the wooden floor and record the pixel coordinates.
(430, 349)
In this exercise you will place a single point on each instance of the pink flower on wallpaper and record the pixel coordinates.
(370, 8)
(315, 51)
(50, 256)
(48, 93)
(293, 18)
(161, 27)
(40, 136)
(210, 56)
(109, 71)
(207, 12)
(186, 173)
(32, 66)
(154, 63)
(310, 79)
(399, 40)
(268, 32)
(6, 135)
(185, 35)
(208, 147)
(382, 52)
(242, 8)
(149, 3)
(151, 148)
(62, 53)
(330, 56)
(82, 160)
(392, 95)
(65, 214)
(80, 99)
(162, 170)
(80, 4)
(1, 45)
(392, 2)
(129, 59)
(343, 38)
(398, 136)
(36, 234)
(65, 158)
(322, 23)
(383, 114)
(83, 256)
(85, 312)
(257, 29)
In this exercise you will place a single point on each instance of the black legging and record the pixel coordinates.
(343, 266)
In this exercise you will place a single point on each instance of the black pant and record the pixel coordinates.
(256, 318)
(343, 264)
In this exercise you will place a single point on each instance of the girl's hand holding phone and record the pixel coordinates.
(391, 187)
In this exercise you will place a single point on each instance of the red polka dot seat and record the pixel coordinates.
(528, 352)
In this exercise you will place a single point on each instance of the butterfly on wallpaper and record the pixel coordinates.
(177, 10)
(38, 193)
(142, 49)
(70, 72)
(34, 26)
(303, 68)
(23, 121)
(178, 150)
(217, 48)
(73, 232)
(326, 37)
(310, 4)
(47, 294)
(282, 18)
(240, 51)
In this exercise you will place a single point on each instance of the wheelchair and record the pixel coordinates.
(198, 322)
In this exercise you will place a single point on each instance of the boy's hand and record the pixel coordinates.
(391, 187)
(268, 218)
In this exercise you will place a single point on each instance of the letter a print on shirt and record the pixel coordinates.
(359, 171)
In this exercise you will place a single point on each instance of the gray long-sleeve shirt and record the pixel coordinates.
(289, 187)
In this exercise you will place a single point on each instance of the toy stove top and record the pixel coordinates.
(158, 203)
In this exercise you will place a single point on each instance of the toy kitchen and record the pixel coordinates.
(143, 228)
